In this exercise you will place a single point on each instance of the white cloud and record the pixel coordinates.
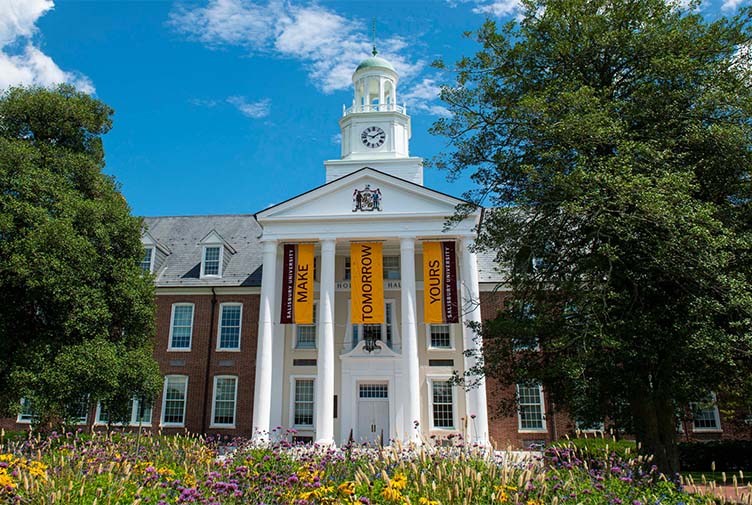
(21, 62)
(255, 110)
(329, 45)
(422, 97)
(499, 8)
(336, 139)
(731, 5)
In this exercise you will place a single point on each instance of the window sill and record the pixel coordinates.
(442, 349)
(23, 421)
(707, 430)
(531, 430)
(171, 349)
(447, 429)
(222, 426)
(228, 350)
(172, 425)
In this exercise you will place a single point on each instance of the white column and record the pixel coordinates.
(475, 398)
(278, 356)
(411, 365)
(264, 362)
(325, 362)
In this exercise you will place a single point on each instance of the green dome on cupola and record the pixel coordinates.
(375, 62)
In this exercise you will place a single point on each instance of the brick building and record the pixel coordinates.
(232, 367)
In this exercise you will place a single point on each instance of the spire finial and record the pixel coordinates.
(373, 37)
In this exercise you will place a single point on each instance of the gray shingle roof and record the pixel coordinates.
(182, 234)
(489, 269)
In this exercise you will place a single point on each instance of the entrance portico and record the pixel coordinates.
(410, 214)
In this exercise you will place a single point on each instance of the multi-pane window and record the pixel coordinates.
(303, 408)
(173, 407)
(182, 326)
(383, 332)
(225, 389)
(26, 415)
(705, 415)
(373, 391)
(590, 427)
(146, 261)
(530, 398)
(79, 412)
(443, 404)
(139, 413)
(305, 334)
(229, 326)
(391, 267)
(440, 336)
(212, 258)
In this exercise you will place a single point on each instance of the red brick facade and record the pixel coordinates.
(504, 429)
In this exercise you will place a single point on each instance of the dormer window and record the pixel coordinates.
(215, 253)
(212, 264)
(147, 263)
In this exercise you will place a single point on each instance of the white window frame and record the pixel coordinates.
(430, 379)
(219, 327)
(716, 416)
(135, 407)
(172, 326)
(21, 419)
(221, 260)
(396, 340)
(151, 259)
(301, 427)
(164, 402)
(316, 331)
(599, 427)
(399, 267)
(429, 341)
(544, 427)
(234, 403)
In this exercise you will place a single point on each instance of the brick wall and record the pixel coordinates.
(193, 363)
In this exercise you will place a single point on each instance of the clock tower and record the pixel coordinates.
(375, 129)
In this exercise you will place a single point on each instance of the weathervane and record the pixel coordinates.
(373, 36)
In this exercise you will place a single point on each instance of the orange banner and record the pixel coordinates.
(297, 284)
(367, 294)
(440, 302)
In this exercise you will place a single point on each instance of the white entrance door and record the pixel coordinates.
(373, 413)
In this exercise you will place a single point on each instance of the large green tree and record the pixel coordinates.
(76, 311)
(613, 141)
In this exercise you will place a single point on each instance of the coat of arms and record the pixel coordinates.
(366, 199)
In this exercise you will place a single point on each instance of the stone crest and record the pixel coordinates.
(366, 199)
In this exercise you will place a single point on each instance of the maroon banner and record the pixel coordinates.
(289, 261)
(451, 306)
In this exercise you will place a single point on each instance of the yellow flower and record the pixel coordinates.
(165, 471)
(426, 501)
(399, 481)
(390, 493)
(503, 497)
(37, 469)
(5, 481)
(347, 488)
(531, 502)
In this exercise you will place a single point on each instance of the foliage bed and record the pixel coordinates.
(721, 455)
(127, 468)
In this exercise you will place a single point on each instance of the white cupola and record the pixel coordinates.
(375, 129)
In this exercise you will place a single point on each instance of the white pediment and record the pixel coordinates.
(397, 199)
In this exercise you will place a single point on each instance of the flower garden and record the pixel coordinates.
(119, 468)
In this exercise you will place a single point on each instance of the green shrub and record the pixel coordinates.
(600, 447)
(728, 455)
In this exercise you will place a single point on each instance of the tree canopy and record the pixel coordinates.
(76, 310)
(612, 140)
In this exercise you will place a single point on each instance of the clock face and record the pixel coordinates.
(373, 137)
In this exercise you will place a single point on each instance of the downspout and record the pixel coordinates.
(208, 361)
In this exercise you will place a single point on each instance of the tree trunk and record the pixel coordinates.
(656, 431)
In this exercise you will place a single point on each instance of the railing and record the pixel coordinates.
(376, 107)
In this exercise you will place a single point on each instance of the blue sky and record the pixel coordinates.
(228, 106)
